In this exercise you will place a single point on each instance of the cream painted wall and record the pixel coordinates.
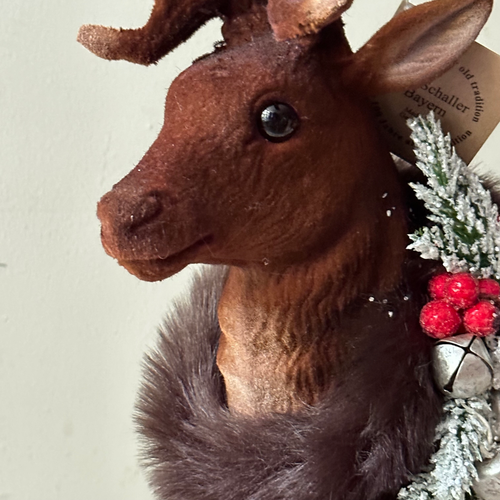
(73, 325)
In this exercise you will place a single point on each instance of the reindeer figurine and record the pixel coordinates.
(317, 383)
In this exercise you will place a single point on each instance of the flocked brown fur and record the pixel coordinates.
(307, 225)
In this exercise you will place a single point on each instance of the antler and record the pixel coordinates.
(294, 18)
(171, 23)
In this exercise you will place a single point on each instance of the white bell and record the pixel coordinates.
(462, 366)
(487, 487)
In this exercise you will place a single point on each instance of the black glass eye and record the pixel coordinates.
(278, 121)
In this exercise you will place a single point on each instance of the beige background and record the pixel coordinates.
(73, 325)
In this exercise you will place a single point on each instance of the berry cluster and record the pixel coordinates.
(462, 304)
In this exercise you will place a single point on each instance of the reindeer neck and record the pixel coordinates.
(281, 343)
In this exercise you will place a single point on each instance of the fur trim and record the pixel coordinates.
(369, 434)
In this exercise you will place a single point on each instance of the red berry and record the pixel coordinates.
(462, 291)
(489, 288)
(437, 285)
(482, 319)
(439, 320)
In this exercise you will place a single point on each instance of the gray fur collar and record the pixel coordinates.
(362, 442)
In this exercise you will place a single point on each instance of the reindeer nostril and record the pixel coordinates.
(121, 213)
(146, 210)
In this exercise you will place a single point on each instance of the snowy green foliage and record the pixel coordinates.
(465, 235)
(460, 435)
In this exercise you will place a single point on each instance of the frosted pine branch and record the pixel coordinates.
(466, 234)
(461, 435)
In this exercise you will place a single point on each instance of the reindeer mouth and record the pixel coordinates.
(160, 268)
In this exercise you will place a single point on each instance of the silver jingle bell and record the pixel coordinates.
(487, 486)
(462, 366)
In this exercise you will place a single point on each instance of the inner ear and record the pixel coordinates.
(417, 45)
(242, 25)
(296, 18)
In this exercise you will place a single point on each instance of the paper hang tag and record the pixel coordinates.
(465, 100)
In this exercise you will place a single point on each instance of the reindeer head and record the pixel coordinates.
(268, 151)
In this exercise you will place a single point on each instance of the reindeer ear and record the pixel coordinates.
(417, 46)
(294, 18)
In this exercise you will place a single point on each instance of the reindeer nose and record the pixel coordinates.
(128, 214)
(145, 211)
